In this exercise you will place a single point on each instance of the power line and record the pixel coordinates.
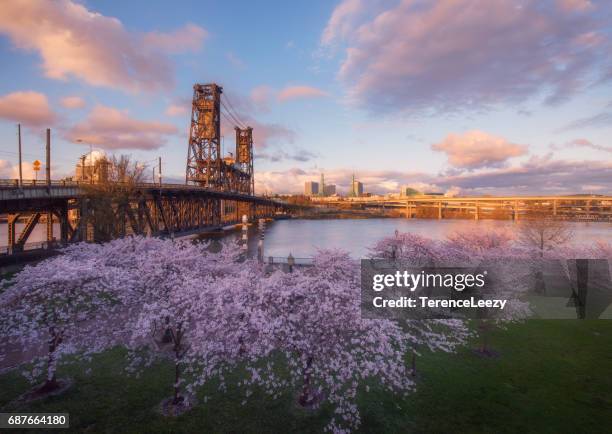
(233, 112)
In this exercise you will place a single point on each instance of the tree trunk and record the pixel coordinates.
(177, 368)
(177, 375)
(51, 383)
(306, 398)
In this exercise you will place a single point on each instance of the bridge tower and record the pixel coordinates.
(244, 157)
(204, 151)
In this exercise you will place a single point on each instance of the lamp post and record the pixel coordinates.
(90, 160)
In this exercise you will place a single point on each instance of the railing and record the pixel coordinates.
(38, 245)
(32, 183)
(280, 260)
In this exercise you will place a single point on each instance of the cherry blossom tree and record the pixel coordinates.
(417, 251)
(329, 348)
(496, 248)
(61, 302)
(184, 303)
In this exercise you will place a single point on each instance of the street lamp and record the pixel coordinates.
(90, 161)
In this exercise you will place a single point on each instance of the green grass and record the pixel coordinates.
(551, 377)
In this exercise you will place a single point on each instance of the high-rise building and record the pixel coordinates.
(311, 188)
(408, 191)
(330, 190)
(356, 189)
(322, 186)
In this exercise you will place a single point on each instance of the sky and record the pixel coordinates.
(464, 97)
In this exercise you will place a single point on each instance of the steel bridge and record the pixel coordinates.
(217, 192)
(151, 209)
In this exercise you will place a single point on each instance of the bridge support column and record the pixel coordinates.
(476, 211)
(83, 220)
(516, 211)
(440, 210)
(12, 221)
(554, 207)
(409, 210)
(64, 224)
(49, 226)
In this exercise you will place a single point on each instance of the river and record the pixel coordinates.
(302, 238)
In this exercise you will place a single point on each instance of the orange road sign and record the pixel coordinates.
(36, 165)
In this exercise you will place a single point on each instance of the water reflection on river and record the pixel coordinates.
(301, 238)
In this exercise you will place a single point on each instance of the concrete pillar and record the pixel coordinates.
(555, 207)
(49, 226)
(440, 210)
(516, 211)
(64, 224)
(476, 211)
(83, 220)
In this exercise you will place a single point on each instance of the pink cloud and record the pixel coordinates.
(188, 38)
(295, 92)
(28, 107)
(575, 5)
(538, 175)
(477, 149)
(73, 102)
(109, 128)
(76, 42)
(582, 143)
(341, 21)
(461, 54)
(176, 110)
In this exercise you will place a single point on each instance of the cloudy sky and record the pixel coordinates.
(471, 96)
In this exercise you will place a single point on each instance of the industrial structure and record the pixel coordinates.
(205, 165)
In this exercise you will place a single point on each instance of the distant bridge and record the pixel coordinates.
(578, 207)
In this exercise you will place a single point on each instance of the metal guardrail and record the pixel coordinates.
(280, 260)
(38, 245)
(32, 183)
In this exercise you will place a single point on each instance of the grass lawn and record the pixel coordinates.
(552, 376)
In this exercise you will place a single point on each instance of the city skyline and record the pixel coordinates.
(377, 88)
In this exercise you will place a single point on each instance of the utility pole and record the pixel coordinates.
(19, 142)
(48, 168)
(159, 172)
(48, 176)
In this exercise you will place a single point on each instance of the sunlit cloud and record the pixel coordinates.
(297, 92)
(478, 149)
(75, 42)
(109, 128)
(453, 55)
(27, 107)
(73, 102)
